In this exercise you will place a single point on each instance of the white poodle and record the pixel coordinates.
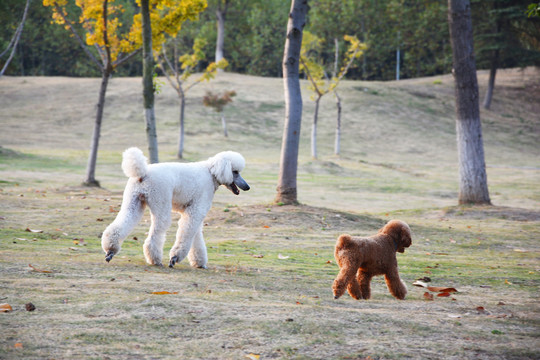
(184, 188)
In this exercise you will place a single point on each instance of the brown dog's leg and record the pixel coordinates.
(364, 281)
(354, 289)
(345, 276)
(395, 285)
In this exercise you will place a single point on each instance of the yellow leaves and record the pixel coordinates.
(167, 17)
(164, 293)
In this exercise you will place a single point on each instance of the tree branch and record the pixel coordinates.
(16, 37)
(81, 42)
(310, 77)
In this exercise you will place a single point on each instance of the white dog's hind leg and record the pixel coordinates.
(197, 255)
(130, 214)
(153, 245)
(188, 226)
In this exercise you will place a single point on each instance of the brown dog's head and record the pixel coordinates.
(400, 232)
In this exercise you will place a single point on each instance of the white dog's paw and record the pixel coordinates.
(173, 261)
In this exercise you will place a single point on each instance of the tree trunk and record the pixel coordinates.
(92, 158)
(314, 129)
(286, 189)
(220, 13)
(180, 153)
(224, 125)
(491, 83)
(15, 41)
(473, 187)
(148, 85)
(337, 144)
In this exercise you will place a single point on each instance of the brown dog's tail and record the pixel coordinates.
(344, 241)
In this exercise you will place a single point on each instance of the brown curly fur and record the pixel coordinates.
(360, 259)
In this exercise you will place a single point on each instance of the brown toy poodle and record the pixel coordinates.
(360, 259)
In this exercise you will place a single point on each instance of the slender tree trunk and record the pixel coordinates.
(224, 125)
(286, 189)
(220, 14)
(90, 179)
(491, 83)
(473, 187)
(15, 41)
(314, 129)
(180, 153)
(364, 40)
(148, 85)
(337, 144)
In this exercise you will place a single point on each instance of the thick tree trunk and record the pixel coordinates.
(148, 85)
(286, 189)
(473, 187)
(180, 153)
(337, 144)
(314, 129)
(491, 83)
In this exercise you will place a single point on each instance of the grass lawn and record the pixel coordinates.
(267, 292)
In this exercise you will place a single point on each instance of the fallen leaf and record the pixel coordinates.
(39, 270)
(428, 296)
(30, 307)
(18, 346)
(164, 293)
(73, 248)
(443, 294)
(420, 283)
(5, 308)
(259, 256)
(253, 356)
(281, 257)
(481, 310)
(507, 282)
(441, 289)
(33, 231)
(266, 227)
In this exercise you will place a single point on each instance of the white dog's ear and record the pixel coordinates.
(221, 168)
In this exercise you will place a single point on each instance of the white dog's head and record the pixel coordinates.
(226, 167)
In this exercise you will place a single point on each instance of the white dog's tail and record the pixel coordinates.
(134, 163)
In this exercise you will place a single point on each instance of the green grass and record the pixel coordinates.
(268, 287)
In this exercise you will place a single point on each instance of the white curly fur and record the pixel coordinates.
(187, 188)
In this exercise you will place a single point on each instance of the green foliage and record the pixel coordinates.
(255, 34)
(533, 10)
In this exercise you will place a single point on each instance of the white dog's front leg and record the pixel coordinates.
(197, 255)
(188, 226)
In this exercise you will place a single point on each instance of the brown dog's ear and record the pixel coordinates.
(405, 239)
